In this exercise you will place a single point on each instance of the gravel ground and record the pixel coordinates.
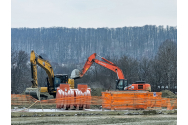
(95, 120)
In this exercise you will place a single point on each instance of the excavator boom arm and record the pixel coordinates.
(116, 69)
(88, 64)
(48, 68)
(37, 60)
(33, 70)
(108, 65)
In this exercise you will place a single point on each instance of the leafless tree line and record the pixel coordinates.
(20, 71)
(160, 71)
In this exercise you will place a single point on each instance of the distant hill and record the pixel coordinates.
(75, 45)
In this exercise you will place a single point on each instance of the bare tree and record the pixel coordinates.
(20, 71)
(148, 72)
(166, 60)
(129, 66)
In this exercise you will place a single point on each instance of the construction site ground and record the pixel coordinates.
(48, 114)
(96, 120)
(93, 117)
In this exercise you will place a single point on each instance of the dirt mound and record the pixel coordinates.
(168, 94)
(96, 91)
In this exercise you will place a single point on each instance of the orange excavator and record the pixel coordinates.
(121, 84)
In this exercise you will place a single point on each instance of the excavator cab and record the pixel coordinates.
(60, 79)
(57, 80)
(121, 84)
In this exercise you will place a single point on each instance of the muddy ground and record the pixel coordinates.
(95, 120)
(95, 117)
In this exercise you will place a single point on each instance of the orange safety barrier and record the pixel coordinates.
(18, 99)
(170, 103)
(121, 100)
(27, 99)
(113, 100)
(173, 102)
(70, 98)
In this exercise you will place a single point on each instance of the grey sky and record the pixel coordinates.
(92, 13)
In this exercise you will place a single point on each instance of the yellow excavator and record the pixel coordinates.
(53, 80)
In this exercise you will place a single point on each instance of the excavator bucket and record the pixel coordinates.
(75, 74)
(34, 92)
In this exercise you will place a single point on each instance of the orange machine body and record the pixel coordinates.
(139, 87)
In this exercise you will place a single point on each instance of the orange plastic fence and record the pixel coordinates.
(121, 100)
(18, 99)
(113, 100)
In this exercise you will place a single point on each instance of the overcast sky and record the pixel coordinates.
(92, 13)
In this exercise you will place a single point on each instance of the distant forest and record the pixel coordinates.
(147, 53)
(74, 45)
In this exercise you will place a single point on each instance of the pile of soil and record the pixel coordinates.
(168, 94)
(96, 91)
